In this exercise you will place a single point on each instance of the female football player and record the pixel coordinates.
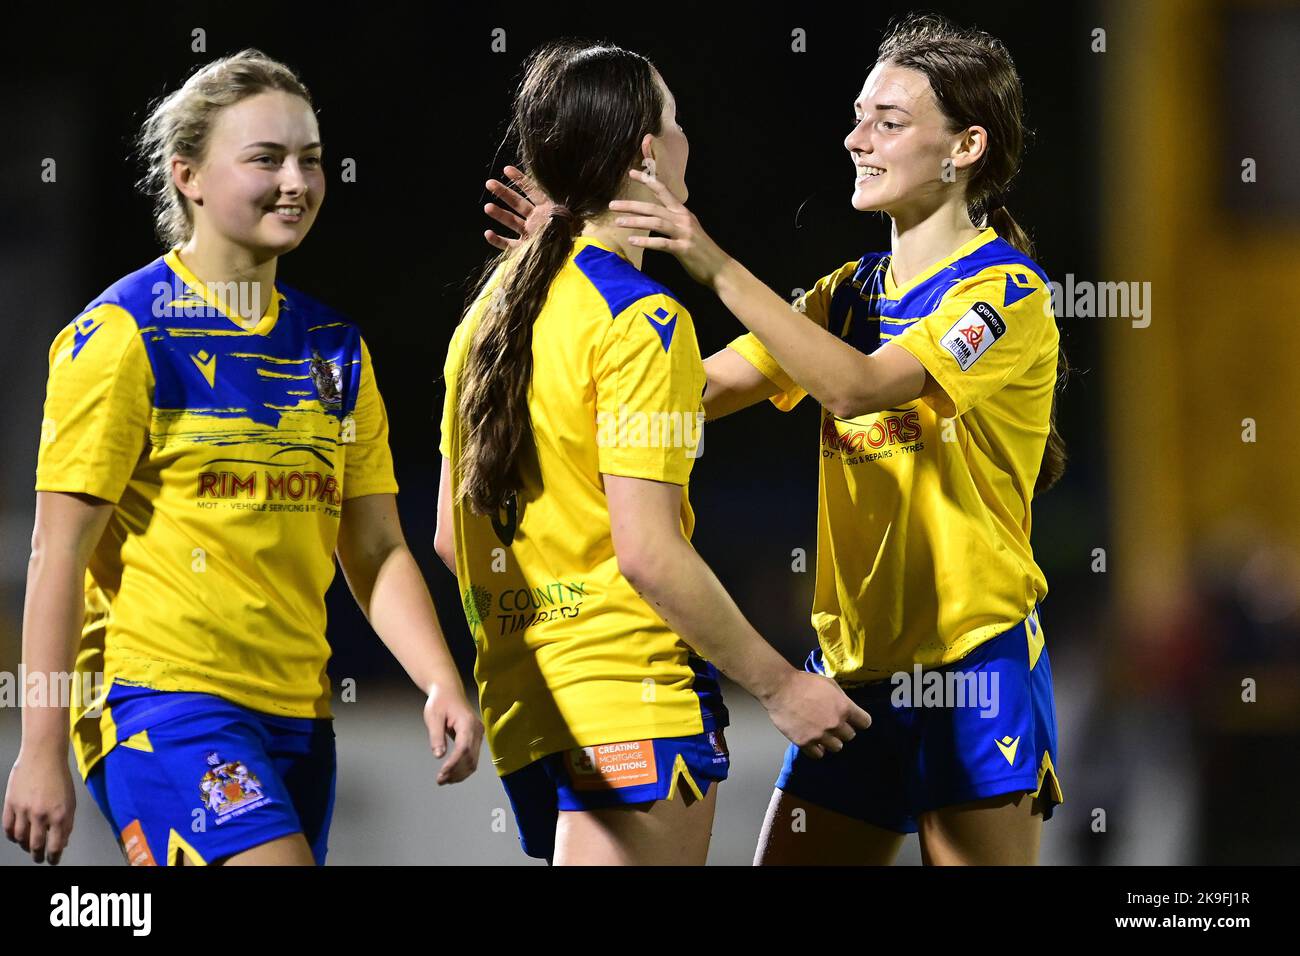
(570, 427)
(936, 366)
(212, 439)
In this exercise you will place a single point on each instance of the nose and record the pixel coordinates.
(857, 140)
(292, 181)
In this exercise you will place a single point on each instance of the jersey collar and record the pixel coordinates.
(261, 327)
(893, 291)
(579, 242)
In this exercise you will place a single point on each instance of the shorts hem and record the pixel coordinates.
(895, 825)
(993, 788)
(653, 793)
(252, 841)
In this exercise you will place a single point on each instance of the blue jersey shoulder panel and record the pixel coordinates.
(202, 362)
(618, 282)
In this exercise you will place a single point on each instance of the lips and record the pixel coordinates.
(288, 212)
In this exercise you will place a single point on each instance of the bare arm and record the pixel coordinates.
(733, 384)
(444, 535)
(667, 572)
(40, 803)
(390, 589)
(832, 371)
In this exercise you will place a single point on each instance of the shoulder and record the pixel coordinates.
(621, 286)
(137, 296)
(108, 324)
(99, 338)
(1001, 295)
(999, 271)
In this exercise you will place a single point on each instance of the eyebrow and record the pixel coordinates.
(279, 146)
(881, 107)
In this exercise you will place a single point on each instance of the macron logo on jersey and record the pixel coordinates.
(1018, 286)
(85, 329)
(663, 325)
(973, 334)
(207, 365)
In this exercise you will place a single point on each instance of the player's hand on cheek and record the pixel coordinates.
(522, 214)
(679, 231)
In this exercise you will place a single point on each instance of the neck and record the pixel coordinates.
(920, 239)
(615, 237)
(215, 262)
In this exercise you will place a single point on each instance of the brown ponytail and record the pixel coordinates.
(579, 117)
(975, 83)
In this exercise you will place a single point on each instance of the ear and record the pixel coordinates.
(185, 177)
(648, 147)
(970, 147)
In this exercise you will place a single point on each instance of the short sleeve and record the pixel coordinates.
(815, 304)
(649, 392)
(988, 330)
(368, 461)
(98, 400)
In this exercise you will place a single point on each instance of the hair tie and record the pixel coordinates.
(996, 201)
(561, 212)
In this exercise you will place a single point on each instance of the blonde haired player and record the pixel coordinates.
(212, 439)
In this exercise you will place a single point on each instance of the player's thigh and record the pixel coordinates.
(663, 833)
(291, 850)
(799, 833)
(998, 831)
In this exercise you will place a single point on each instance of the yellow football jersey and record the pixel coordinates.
(229, 452)
(569, 654)
(923, 522)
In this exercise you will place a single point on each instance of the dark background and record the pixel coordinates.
(418, 99)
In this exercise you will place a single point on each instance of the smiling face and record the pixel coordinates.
(900, 141)
(260, 183)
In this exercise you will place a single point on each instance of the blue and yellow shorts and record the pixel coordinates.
(197, 773)
(621, 772)
(976, 728)
(610, 775)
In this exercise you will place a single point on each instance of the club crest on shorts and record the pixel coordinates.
(328, 379)
(973, 334)
(229, 789)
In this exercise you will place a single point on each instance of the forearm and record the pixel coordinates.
(395, 599)
(733, 384)
(684, 591)
(53, 614)
(833, 372)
